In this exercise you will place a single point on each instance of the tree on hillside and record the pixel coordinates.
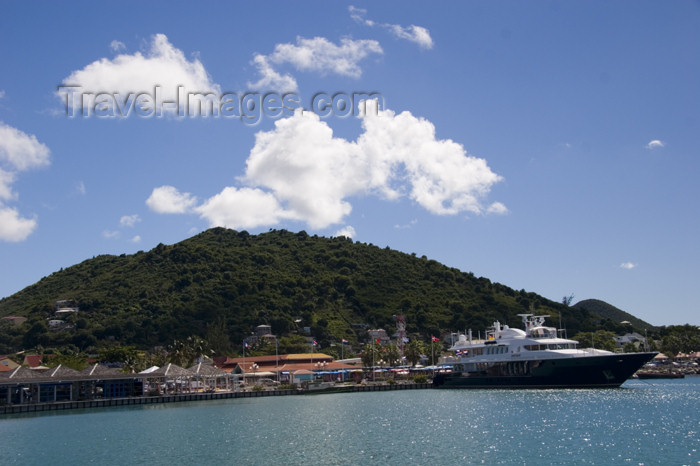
(600, 339)
(69, 357)
(680, 339)
(293, 344)
(567, 300)
(218, 337)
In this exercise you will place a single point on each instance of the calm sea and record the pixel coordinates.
(644, 422)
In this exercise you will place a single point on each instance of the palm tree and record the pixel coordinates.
(413, 351)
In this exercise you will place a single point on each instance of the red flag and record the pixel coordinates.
(436, 339)
(315, 344)
(378, 340)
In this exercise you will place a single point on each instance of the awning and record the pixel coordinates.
(260, 374)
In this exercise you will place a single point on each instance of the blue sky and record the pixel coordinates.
(549, 146)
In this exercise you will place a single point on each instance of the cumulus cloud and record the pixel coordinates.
(315, 55)
(300, 171)
(13, 227)
(136, 239)
(129, 220)
(242, 208)
(21, 151)
(347, 231)
(161, 65)
(416, 34)
(628, 265)
(18, 152)
(168, 200)
(655, 144)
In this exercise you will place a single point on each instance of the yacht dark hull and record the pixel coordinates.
(605, 371)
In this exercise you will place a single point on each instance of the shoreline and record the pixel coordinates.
(179, 398)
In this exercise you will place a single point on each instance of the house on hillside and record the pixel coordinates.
(633, 338)
(378, 336)
(15, 320)
(65, 308)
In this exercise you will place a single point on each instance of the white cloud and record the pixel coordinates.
(408, 225)
(241, 208)
(416, 34)
(2, 94)
(628, 265)
(14, 228)
(347, 231)
(162, 65)
(21, 151)
(300, 171)
(80, 187)
(18, 152)
(270, 78)
(117, 46)
(6, 180)
(136, 239)
(108, 234)
(497, 208)
(358, 15)
(316, 55)
(168, 200)
(441, 176)
(307, 169)
(655, 144)
(129, 220)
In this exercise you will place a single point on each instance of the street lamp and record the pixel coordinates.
(321, 365)
(255, 369)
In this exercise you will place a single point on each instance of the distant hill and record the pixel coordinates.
(222, 283)
(610, 312)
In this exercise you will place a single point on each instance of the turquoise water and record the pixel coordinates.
(645, 422)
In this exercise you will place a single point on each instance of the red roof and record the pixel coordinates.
(32, 360)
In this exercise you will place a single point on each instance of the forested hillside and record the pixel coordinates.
(221, 284)
(612, 314)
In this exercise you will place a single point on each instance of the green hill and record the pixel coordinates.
(223, 283)
(610, 313)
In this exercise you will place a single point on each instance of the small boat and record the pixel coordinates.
(533, 358)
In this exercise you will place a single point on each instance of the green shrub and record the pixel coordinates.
(420, 378)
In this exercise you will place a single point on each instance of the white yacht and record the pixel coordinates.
(532, 358)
